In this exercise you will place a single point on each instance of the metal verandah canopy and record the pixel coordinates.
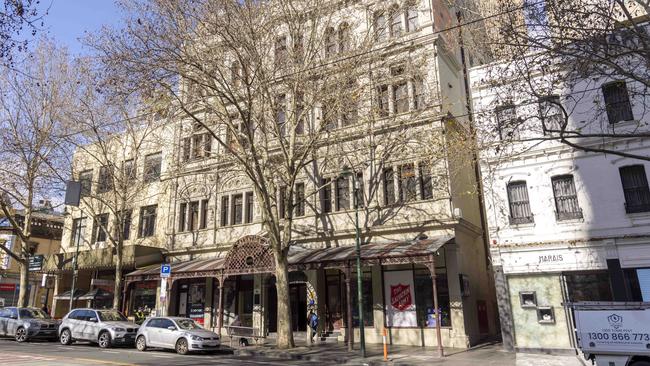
(416, 251)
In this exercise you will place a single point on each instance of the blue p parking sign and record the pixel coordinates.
(165, 270)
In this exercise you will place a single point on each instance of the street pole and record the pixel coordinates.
(74, 261)
(362, 340)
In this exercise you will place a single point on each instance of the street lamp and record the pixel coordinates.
(357, 236)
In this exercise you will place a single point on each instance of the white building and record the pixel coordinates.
(565, 225)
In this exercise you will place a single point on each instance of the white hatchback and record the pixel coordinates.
(180, 334)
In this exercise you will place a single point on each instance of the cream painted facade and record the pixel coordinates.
(203, 208)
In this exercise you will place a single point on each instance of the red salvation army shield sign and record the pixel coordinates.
(400, 296)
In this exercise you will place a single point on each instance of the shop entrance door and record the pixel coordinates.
(334, 308)
(272, 308)
(298, 300)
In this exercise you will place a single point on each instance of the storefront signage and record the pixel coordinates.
(553, 259)
(165, 270)
(36, 262)
(196, 313)
(100, 282)
(400, 299)
(7, 287)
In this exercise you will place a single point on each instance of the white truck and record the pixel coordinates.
(613, 333)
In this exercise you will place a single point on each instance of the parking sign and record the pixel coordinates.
(165, 270)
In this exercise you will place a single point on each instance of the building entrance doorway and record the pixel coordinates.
(272, 308)
(298, 301)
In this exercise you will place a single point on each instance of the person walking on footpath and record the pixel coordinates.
(312, 320)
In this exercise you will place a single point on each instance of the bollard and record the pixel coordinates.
(383, 335)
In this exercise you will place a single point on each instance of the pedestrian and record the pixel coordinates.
(312, 320)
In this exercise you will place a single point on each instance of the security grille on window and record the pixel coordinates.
(389, 186)
(566, 198)
(550, 112)
(520, 212)
(152, 165)
(507, 122)
(407, 183)
(99, 228)
(147, 221)
(342, 193)
(617, 102)
(635, 188)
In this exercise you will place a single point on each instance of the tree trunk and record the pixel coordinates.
(23, 293)
(117, 292)
(285, 329)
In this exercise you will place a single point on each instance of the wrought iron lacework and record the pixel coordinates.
(250, 254)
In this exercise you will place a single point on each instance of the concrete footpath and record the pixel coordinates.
(334, 353)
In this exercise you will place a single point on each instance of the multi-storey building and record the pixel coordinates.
(47, 227)
(405, 173)
(566, 224)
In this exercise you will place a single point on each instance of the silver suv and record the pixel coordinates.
(104, 327)
(180, 334)
(27, 323)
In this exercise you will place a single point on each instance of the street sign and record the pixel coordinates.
(165, 270)
(36, 262)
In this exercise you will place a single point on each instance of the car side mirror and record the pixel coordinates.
(171, 327)
(94, 320)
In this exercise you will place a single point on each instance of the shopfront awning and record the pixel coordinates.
(96, 294)
(66, 295)
(133, 256)
(208, 267)
(234, 263)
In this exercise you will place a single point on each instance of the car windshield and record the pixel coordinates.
(33, 314)
(187, 324)
(111, 316)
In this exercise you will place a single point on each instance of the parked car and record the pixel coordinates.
(180, 334)
(104, 327)
(27, 323)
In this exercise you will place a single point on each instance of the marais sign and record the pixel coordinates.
(613, 331)
(400, 299)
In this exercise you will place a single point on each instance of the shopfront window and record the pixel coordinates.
(588, 286)
(424, 298)
(143, 298)
(368, 319)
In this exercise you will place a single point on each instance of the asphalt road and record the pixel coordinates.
(40, 353)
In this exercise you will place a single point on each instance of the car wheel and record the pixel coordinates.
(21, 335)
(181, 346)
(141, 344)
(66, 337)
(104, 340)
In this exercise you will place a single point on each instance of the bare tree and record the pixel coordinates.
(33, 100)
(15, 16)
(552, 58)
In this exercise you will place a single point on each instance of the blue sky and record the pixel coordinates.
(67, 20)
